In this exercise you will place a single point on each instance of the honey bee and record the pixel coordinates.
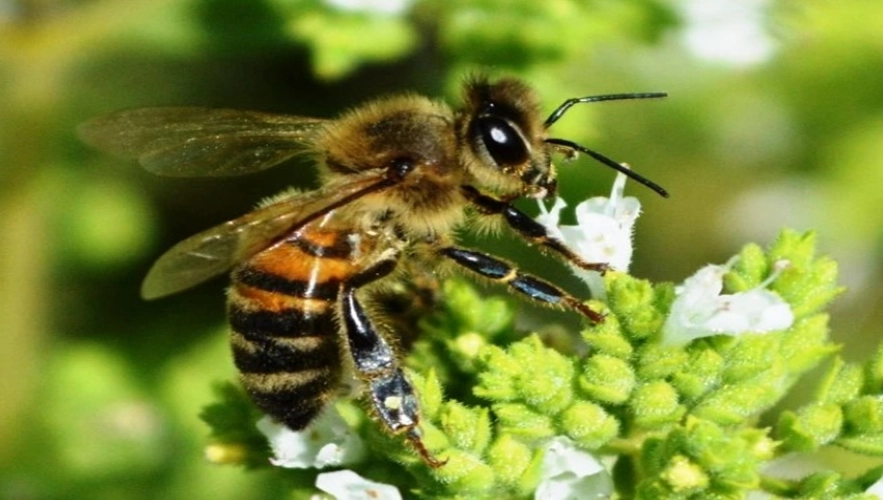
(399, 175)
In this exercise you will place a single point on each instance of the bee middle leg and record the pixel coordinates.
(528, 228)
(391, 393)
(527, 284)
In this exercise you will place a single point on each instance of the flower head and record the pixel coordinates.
(346, 484)
(602, 234)
(327, 441)
(700, 310)
(570, 473)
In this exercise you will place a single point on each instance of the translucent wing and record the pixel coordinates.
(186, 142)
(216, 250)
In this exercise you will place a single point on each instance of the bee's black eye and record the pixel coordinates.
(503, 143)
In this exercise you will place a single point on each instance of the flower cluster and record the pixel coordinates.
(662, 400)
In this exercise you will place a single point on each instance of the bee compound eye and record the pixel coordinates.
(501, 140)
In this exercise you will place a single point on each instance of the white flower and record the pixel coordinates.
(700, 310)
(602, 234)
(570, 473)
(327, 441)
(347, 485)
(388, 7)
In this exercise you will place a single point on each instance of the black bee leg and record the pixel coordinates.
(527, 284)
(391, 394)
(528, 228)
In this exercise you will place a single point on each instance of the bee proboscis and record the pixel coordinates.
(398, 175)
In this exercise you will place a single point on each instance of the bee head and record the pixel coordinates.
(504, 134)
(509, 150)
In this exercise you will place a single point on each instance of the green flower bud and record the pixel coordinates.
(633, 301)
(842, 383)
(499, 371)
(760, 445)
(864, 415)
(509, 458)
(809, 283)
(607, 379)
(464, 473)
(750, 269)
(588, 425)
(546, 379)
(468, 429)
(606, 338)
(684, 477)
(655, 361)
(799, 248)
(700, 374)
(519, 420)
(811, 427)
(749, 356)
(465, 304)
(530, 372)
(866, 444)
(654, 404)
(826, 485)
(806, 343)
(429, 391)
(732, 404)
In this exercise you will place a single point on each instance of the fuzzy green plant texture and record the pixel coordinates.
(687, 420)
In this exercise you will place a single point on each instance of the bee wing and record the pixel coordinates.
(216, 250)
(189, 141)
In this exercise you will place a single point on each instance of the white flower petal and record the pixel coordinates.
(603, 233)
(550, 218)
(700, 310)
(347, 485)
(570, 473)
(327, 441)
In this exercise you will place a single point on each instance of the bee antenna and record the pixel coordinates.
(563, 143)
(559, 112)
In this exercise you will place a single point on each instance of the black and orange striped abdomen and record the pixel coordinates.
(282, 311)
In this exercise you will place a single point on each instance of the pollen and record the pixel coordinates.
(393, 402)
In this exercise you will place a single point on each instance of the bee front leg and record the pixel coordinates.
(391, 393)
(503, 272)
(529, 229)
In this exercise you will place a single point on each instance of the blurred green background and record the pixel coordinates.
(775, 118)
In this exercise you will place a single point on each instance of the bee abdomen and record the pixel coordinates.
(283, 316)
(289, 359)
(291, 398)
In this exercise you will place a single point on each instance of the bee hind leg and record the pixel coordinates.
(392, 395)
